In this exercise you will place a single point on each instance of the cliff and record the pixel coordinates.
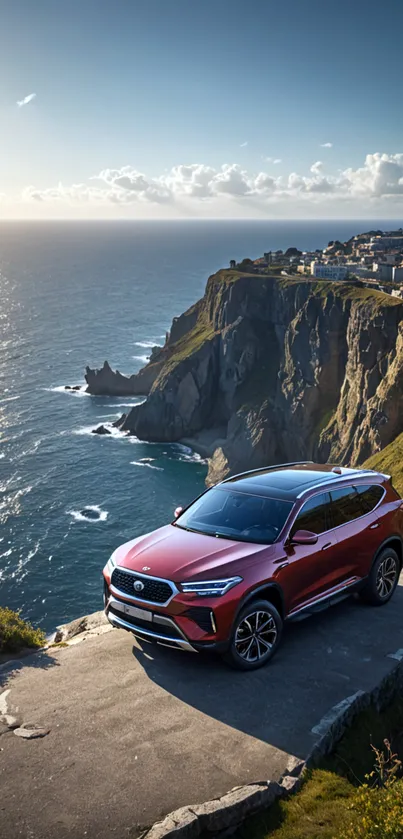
(273, 369)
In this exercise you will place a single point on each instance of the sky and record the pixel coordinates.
(201, 109)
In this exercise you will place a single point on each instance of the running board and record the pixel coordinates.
(325, 602)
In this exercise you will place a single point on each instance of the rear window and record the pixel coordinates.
(236, 515)
(346, 506)
(369, 496)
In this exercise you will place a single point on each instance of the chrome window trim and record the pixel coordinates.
(124, 594)
(348, 486)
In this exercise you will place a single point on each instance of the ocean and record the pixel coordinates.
(73, 294)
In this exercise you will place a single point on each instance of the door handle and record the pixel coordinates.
(374, 526)
(328, 545)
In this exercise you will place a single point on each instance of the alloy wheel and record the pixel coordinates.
(255, 635)
(386, 576)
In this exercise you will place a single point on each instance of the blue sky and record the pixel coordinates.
(201, 108)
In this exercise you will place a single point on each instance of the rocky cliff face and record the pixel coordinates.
(278, 370)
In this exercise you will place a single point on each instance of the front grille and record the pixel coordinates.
(155, 591)
(202, 616)
(151, 626)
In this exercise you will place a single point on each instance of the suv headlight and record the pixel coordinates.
(211, 588)
(111, 564)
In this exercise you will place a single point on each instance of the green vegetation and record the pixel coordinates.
(15, 633)
(389, 460)
(190, 343)
(354, 794)
(319, 811)
(350, 291)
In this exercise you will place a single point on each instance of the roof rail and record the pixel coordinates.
(268, 469)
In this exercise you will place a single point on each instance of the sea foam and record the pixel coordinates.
(79, 515)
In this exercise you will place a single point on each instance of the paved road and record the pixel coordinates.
(136, 732)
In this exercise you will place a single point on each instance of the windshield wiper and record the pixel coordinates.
(189, 529)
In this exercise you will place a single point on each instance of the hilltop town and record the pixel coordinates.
(375, 258)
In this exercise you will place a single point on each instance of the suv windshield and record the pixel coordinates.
(236, 515)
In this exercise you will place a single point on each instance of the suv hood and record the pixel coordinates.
(178, 555)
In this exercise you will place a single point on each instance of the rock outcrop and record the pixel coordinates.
(108, 382)
(291, 369)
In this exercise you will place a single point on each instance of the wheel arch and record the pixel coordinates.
(267, 591)
(393, 541)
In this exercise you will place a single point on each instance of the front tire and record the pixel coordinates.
(383, 578)
(255, 636)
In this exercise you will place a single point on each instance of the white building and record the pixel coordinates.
(328, 272)
(357, 269)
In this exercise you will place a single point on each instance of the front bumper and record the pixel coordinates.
(185, 621)
(162, 629)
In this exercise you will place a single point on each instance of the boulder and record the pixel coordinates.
(101, 430)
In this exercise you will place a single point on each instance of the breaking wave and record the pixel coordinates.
(144, 462)
(91, 513)
(62, 389)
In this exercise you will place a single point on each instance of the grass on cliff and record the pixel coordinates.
(334, 802)
(389, 460)
(321, 288)
(15, 633)
(190, 343)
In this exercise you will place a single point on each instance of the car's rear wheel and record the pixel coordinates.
(255, 636)
(383, 578)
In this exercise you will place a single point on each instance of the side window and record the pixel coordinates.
(369, 496)
(314, 515)
(345, 506)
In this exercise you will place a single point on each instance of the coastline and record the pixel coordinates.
(205, 442)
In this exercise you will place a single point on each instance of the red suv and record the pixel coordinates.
(256, 550)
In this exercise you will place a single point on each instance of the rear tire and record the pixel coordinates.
(255, 636)
(383, 578)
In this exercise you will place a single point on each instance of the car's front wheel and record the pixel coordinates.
(383, 578)
(255, 636)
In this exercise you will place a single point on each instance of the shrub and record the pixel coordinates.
(378, 805)
(378, 812)
(15, 633)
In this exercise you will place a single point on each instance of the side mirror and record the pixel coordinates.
(178, 511)
(304, 537)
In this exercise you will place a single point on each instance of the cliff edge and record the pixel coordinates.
(270, 369)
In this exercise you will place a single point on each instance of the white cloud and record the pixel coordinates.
(26, 100)
(242, 145)
(188, 186)
(326, 145)
(274, 160)
(317, 167)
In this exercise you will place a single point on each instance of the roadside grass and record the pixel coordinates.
(320, 810)
(15, 633)
(336, 800)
